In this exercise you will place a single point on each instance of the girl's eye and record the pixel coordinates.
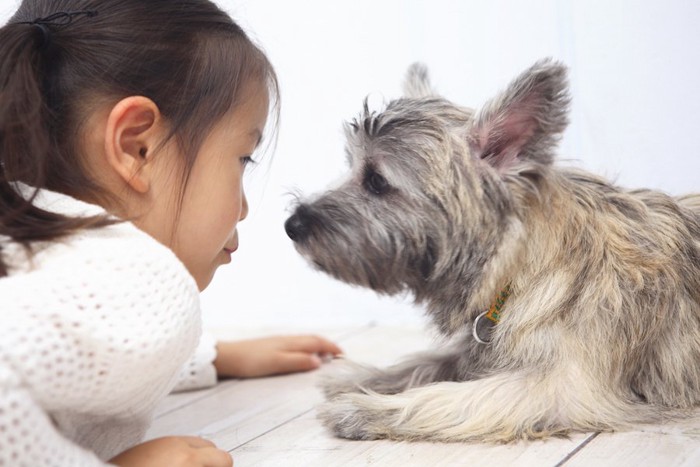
(248, 160)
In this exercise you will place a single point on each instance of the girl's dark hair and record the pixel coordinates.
(188, 56)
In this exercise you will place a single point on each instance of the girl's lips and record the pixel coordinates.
(229, 253)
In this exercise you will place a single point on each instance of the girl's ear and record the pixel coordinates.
(131, 136)
(523, 123)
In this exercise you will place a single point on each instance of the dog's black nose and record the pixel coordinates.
(298, 225)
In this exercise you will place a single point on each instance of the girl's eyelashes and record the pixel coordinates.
(247, 160)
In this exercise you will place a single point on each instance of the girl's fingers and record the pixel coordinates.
(212, 457)
(197, 442)
(315, 344)
(298, 361)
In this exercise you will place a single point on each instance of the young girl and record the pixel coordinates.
(125, 128)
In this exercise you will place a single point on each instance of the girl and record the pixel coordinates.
(125, 128)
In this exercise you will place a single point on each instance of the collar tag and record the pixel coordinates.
(482, 328)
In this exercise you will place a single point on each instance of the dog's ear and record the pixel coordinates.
(524, 122)
(417, 84)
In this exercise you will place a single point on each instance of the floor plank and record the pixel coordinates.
(304, 442)
(242, 411)
(272, 421)
(236, 411)
(672, 444)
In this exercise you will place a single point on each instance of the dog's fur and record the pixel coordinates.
(602, 330)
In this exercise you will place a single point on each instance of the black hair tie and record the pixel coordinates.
(45, 34)
(60, 18)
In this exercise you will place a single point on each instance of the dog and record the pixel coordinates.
(567, 303)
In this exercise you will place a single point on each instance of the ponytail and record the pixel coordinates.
(25, 142)
(187, 56)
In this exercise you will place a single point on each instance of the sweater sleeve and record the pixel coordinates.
(27, 434)
(199, 371)
(92, 337)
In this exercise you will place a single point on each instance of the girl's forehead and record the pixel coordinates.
(253, 108)
(247, 117)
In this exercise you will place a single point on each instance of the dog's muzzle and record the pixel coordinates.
(298, 226)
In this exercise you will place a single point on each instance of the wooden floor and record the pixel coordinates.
(271, 422)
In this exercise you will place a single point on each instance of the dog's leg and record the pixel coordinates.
(465, 361)
(501, 408)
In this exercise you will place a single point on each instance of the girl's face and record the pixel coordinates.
(204, 234)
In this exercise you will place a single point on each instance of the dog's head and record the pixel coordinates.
(428, 196)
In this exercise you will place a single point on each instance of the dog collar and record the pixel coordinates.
(482, 328)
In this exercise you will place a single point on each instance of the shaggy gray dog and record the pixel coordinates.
(596, 320)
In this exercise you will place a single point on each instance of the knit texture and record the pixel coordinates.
(94, 331)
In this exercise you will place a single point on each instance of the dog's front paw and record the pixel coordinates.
(334, 386)
(345, 376)
(356, 416)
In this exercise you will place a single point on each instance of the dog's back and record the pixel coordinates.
(691, 202)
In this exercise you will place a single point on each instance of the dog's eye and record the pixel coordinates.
(375, 183)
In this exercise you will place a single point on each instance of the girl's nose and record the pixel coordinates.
(244, 207)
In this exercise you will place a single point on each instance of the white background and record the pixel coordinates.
(635, 79)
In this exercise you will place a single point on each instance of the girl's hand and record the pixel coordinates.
(272, 355)
(174, 451)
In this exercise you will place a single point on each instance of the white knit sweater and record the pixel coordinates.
(94, 332)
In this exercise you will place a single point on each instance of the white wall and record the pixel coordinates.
(635, 73)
